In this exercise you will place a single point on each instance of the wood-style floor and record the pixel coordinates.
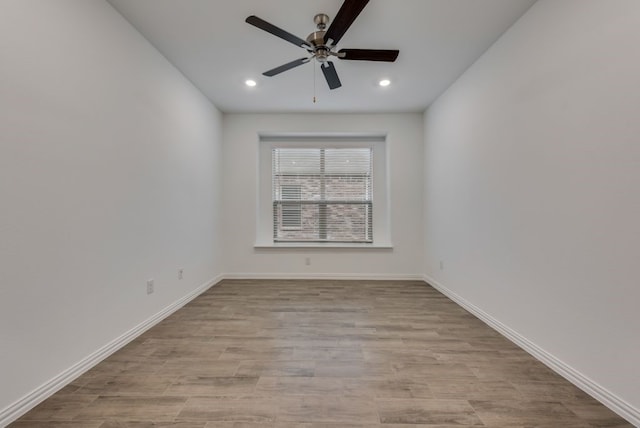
(320, 354)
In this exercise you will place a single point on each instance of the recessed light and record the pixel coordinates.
(384, 82)
(250, 83)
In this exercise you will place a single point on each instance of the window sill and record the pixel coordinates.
(318, 245)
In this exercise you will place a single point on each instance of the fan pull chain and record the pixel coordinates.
(314, 83)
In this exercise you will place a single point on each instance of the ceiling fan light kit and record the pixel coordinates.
(320, 44)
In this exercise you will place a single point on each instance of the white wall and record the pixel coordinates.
(240, 154)
(109, 175)
(532, 187)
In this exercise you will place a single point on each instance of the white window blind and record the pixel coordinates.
(322, 195)
(291, 213)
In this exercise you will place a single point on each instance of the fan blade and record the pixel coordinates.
(279, 32)
(285, 67)
(348, 13)
(368, 54)
(331, 75)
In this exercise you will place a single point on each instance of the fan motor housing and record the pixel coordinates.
(316, 38)
(320, 50)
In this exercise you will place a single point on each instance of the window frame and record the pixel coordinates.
(380, 183)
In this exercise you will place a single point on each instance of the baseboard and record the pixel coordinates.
(327, 276)
(606, 397)
(29, 401)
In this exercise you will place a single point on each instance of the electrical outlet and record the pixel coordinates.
(441, 265)
(149, 286)
(307, 261)
(180, 273)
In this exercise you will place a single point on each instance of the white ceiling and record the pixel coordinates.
(211, 44)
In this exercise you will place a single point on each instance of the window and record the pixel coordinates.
(322, 195)
(323, 190)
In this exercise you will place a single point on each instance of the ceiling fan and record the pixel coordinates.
(321, 44)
